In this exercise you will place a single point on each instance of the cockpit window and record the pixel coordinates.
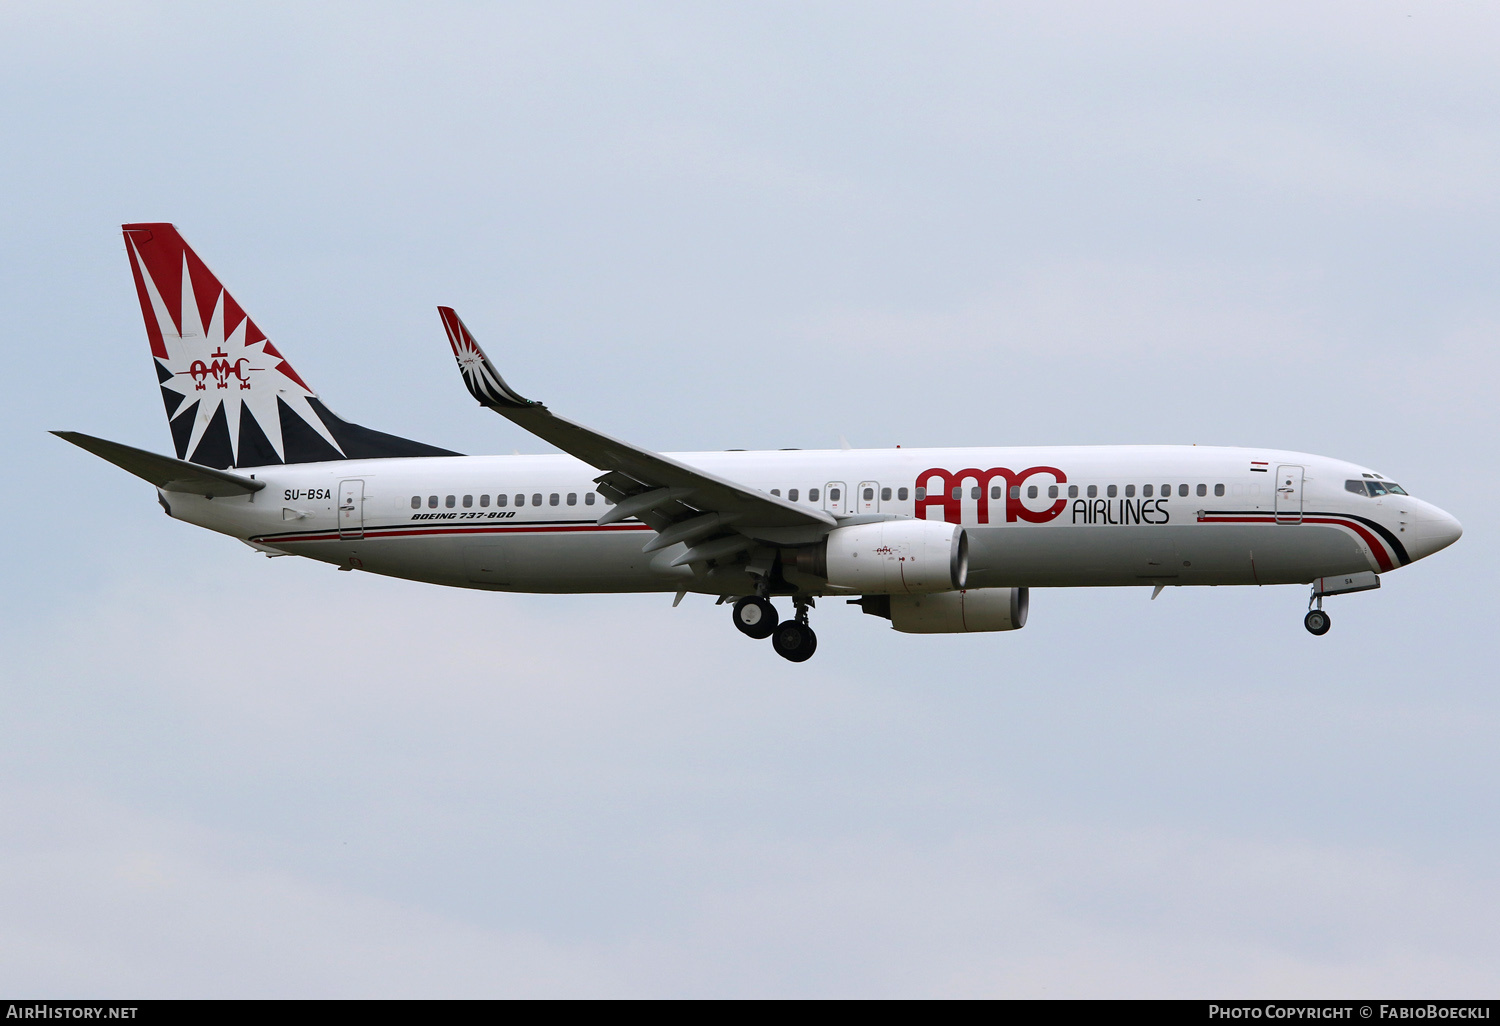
(1374, 489)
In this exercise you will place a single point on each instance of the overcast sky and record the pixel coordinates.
(704, 226)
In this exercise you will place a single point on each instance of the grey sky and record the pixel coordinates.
(763, 225)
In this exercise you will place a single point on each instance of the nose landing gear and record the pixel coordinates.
(1316, 621)
(792, 639)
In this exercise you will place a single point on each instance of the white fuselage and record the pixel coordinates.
(1035, 517)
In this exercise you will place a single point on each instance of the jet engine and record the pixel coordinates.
(961, 612)
(891, 557)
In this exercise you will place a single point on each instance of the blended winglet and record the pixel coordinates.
(642, 483)
(483, 380)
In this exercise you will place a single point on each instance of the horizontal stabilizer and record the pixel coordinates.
(163, 471)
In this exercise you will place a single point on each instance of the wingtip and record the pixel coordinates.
(480, 376)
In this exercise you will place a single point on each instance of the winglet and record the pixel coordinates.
(483, 381)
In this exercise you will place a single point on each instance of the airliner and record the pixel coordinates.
(936, 541)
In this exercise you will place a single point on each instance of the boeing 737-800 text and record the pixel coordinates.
(935, 540)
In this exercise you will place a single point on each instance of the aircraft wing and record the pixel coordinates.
(681, 502)
(169, 474)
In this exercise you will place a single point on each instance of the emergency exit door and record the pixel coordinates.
(1289, 495)
(836, 498)
(351, 509)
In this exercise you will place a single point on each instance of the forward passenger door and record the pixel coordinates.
(1289, 495)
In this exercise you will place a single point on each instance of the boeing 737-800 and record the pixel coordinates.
(934, 540)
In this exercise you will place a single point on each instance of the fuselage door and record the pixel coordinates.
(351, 509)
(868, 498)
(836, 498)
(1289, 495)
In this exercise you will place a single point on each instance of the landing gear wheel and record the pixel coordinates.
(794, 641)
(1317, 622)
(755, 617)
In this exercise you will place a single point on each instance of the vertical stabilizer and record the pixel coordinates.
(232, 399)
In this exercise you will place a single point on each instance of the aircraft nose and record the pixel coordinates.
(1437, 531)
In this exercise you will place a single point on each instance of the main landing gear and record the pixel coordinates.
(755, 617)
(792, 639)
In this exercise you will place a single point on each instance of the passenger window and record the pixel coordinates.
(501, 500)
(1182, 491)
(1112, 491)
(588, 498)
(1093, 491)
(776, 492)
(812, 495)
(870, 494)
(1072, 491)
(520, 500)
(552, 499)
(572, 498)
(1052, 492)
(792, 495)
(901, 494)
(416, 502)
(432, 502)
(833, 495)
(1130, 491)
(484, 500)
(451, 501)
(885, 495)
(468, 502)
(1218, 489)
(1146, 491)
(536, 498)
(1031, 492)
(1166, 491)
(995, 492)
(974, 492)
(958, 491)
(1202, 490)
(921, 493)
(1015, 491)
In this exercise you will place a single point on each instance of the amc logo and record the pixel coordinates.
(945, 488)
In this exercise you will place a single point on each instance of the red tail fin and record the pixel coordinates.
(232, 399)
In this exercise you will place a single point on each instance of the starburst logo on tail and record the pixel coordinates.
(206, 343)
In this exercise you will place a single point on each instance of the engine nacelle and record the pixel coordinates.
(961, 612)
(892, 557)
